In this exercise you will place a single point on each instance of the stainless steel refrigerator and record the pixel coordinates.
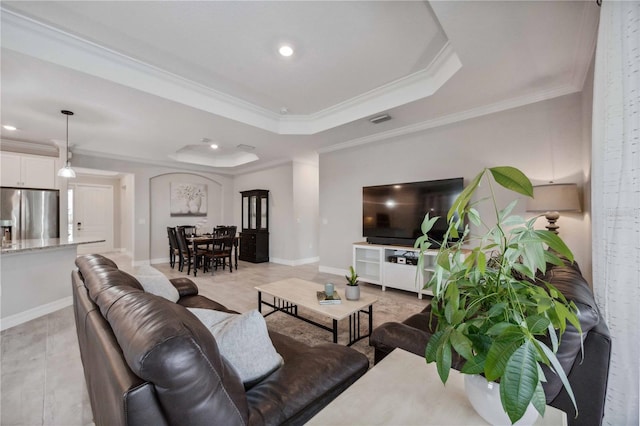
(33, 212)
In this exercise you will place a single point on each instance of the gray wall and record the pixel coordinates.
(143, 174)
(544, 140)
(293, 210)
(161, 216)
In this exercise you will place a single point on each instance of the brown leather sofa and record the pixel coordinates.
(588, 376)
(148, 361)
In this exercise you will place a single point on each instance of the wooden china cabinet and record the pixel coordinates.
(254, 238)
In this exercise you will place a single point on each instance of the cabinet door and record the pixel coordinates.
(10, 173)
(38, 172)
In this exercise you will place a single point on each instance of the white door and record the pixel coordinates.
(93, 217)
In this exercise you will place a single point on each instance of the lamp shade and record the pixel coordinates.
(560, 197)
(66, 172)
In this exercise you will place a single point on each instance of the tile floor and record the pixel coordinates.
(42, 382)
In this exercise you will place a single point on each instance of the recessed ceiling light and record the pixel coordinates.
(214, 146)
(285, 50)
(8, 127)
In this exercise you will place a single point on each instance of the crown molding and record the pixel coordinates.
(146, 162)
(33, 38)
(42, 41)
(418, 85)
(456, 117)
(29, 147)
(587, 40)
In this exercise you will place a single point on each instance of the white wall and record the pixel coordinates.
(545, 140)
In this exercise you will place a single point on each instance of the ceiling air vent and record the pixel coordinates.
(380, 118)
(245, 147)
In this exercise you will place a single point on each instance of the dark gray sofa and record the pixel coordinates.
(588, 376)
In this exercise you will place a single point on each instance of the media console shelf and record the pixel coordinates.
(393, 266)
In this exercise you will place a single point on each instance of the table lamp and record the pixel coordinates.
(554, 198)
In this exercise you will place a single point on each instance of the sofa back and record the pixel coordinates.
(147, 360)
(587, 372)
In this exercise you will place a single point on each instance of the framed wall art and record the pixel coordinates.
(188, 199)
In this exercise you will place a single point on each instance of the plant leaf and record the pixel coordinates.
(512, 179)
(537, 324)
(539, 400)
(460, 203)
(474, 216)
(475, 365)
(432, 346)
(499, 353)
(519, 381)
(555, 243)
(461, 344)
(559, 371)
(428, 222)
(443, 360)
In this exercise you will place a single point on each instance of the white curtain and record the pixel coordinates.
(615, 186)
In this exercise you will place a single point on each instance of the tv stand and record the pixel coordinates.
(393, 266)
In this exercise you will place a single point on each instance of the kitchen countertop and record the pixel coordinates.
(20, 246)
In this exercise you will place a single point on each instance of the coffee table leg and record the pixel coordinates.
(335, 331)
(260, 301)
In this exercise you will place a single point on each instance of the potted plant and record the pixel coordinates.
(352, 291)
(487, 307)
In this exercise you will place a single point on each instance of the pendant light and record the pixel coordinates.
(67, 171)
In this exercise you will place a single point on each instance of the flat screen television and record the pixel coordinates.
(393, 214)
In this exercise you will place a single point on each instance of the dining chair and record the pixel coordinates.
(222, 250)
(174, 251)
(186, 254)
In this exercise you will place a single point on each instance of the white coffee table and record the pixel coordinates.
(404, 390)
(292, 293)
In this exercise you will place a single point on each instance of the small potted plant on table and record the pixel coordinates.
(352, 291)
(489, 308)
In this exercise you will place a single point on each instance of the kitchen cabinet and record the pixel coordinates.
(27, 171)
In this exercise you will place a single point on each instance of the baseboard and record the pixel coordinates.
(160, 260)
(296, 262)
(28, 315)
(334, 271)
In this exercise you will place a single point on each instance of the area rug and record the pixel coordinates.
(384, 310)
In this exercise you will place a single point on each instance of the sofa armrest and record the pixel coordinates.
(391, 335)
(185, 286)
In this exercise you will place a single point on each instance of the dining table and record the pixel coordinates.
(206, 239)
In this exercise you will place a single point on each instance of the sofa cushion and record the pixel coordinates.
(155, 282)
(166, 345)
(244, 342)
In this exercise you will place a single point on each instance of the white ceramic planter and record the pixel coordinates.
(352, 292)
(484, 396)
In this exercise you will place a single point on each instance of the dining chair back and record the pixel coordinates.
(174, 251)
(186, 254)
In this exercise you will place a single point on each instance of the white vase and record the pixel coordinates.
(194, 205)
(484, 396)
(352, 292)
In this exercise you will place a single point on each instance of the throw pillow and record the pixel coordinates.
(154, 282)
(243, 340)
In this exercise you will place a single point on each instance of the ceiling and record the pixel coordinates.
(148, 81)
